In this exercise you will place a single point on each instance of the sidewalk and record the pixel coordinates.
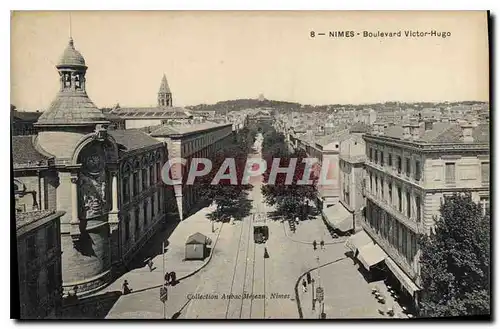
(143, 302)
(346, 293)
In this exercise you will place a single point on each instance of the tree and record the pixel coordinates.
(289, 199)
(231, 200)
(455, 261)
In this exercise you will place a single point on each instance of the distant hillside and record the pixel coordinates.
(242, 104)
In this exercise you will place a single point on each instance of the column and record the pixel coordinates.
(41, 192)
(74, 200)
(114, 192)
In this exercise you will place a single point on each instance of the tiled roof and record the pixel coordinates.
(335, 137)
(26, 218)
(442, 132)
(151, 113)
(133, 139)
(71, 107)
(167, 130)
(71, 56)
(26, 116)
(24, 153)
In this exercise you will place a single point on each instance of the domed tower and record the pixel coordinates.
(164, 94)
(74, 131)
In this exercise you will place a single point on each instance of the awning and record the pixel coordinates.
(358, 240)
(338, 217)
(404, 279)
(370, 255)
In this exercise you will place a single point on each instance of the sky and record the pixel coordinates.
(215, 56)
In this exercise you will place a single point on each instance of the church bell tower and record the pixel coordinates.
(164, 94)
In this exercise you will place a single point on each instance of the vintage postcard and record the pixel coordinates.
(250, 165)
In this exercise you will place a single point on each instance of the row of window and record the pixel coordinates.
(137, 216)
(450, 172)
(197, 144)
(147, 181)
(379, 188)
(378, 157)
(394, 232)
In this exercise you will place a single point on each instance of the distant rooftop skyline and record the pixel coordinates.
(215, 56)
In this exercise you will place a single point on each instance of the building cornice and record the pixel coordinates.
(428, 147)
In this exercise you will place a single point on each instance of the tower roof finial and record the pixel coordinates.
(70, 35)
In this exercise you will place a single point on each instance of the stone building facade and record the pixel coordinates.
(39, 263)
(352, 177)
(410, 169)
(188, 142)
(75, 164)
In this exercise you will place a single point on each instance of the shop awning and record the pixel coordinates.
(357, 241)
(338, 217)
(402, 277)
(370, 255)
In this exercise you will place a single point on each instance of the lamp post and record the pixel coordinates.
(312, 295)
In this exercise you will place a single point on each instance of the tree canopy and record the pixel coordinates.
(290, 198)
(455, 261)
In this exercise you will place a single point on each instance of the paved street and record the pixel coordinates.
(238, 282)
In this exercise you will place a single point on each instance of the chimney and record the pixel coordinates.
(467, 133)
(406, 131)
(415, 131)
(379, 128)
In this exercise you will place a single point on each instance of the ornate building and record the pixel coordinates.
(106, 181)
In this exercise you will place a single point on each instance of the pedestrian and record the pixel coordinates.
(173, 278)
(322, 244)
(304, 285)
(126, 289)
(150, 265)
(314, 244)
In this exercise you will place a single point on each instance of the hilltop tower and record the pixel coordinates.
(164, 94)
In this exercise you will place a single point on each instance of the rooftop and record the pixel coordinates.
(442, 132)
(151, 113)
(71, 56)
(71, 107)
(24, 153)
(133, 139)
(167, 130)
(26, 218)
(26, 115)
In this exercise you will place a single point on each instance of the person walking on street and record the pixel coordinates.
(304, 285)
(322, 244)
(126, 289)
(314, 245)
(150, 265)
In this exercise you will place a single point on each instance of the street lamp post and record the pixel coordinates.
(312, 294)
(163, 261)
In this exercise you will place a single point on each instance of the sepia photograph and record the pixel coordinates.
(278, 165)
